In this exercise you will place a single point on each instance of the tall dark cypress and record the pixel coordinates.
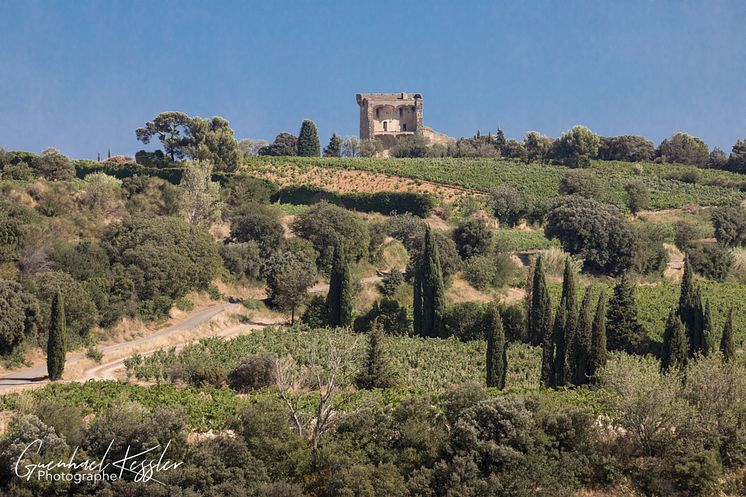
(560, 346)
(690, 309)
(376, 372)
(624, 330)
(727, 345)
(417, 299)
(565, 326)
(308, 140)
(675, 349)
(708, 331)
(598, 340)
(584, 340)
(540, 319)
(56, 342)
(334, 148)
(497, 356)
(433, 289)
(339, 298)
(528, 301)
(547, 355)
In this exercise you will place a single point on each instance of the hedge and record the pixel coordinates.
(171, 174)
(387, 203)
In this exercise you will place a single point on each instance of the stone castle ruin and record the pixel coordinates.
(388, 116)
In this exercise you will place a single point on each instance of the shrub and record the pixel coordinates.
(638, 197)
(514, 322)
(391, 282)
(576, 148)
(509, 205)
(243, 260)
(594, 231)
(473, 237)
(651, 256)
(682, 148)
(684, 234)
(487, 271)
(316, 313)
(465, 321)
(583, 183)
(389, 314)
(710, 260)
(730, 225)
(260, 224)
(254, 372)
(626, 148)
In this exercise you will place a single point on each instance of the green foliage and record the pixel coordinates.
(339, 300)
(212, 140)
(308, 140)
(539, 321)
(598, 339)
(626, 148)
(576, 148)
(199, 195)
(727, 346)
(489, 271)
(325, 225)
(285, 145)
(53, 165)
(583, 342)
(682, 148)
(254, 372)
(638, 196)
(710, 260)
(580, 182)
(730, 225)
(375, 372)
(509, 205)
(473, 237)
(737, 159)
(243, 260)
(259, 224)
(596, 232)
(675, 349)
(56, 341)
(624, 332)
(79, 308)
(466, 321)
(334, 149)
(429, 279)
(497, 353)
(289, 276)
(316, 313)
(391, 282)
(684, 234)
(19, 315)
(651, 256)
(390, 315)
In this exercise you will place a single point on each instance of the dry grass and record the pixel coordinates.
(460, 291)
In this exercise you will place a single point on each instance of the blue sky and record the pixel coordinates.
(82, 75)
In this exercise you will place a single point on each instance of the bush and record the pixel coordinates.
(684, 234)
(473, 237)
(390, 315)
(626, 148)
(638, 197)
(594, 231)
(260, 224)
(243, 260)
(651, 256)
(514, 322)
(391, 282)
(730, 225)
(576, 148)
(508, 204)
(710, 260)
(583, 183)
(316, 312)
(465, 321)
(486, 271)
(254, 372)
(682, 148)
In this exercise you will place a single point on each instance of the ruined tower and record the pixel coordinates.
(387, 116)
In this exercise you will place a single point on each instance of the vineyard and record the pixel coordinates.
(671, 186)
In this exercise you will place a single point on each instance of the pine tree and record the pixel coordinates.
(334, 149)
(547, 355)
(727, 345)
(708, 332)
(583, 340)
(500, 140)
(497, 357)
(308, 140)
(433, 290)
(56, 342)
(98, 156)
(567, 364)
(540, 317)
(598, 340)
(108, 153)
(624, 330)
(376, 372)
(339, 298)
(675, 349)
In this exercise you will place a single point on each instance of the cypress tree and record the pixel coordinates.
(584, 340)
(727, 345)
(690, 308)
(598, 340)
(528, 301)
(56, 342)
(376, 372)
(98, 157)
(675, 349)
(558, 334)
(540, 316)
(417, 299)
(108, 153)
(308, 140)
(339, 298)
(567, 362)
(497, 354)
(334, 149)
(433, 290)
(708, 339)
(547, 355)
(624, 330)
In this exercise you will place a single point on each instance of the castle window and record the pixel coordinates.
(404, 127)
(385, 126)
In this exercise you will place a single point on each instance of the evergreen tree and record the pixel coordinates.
(56, 342)
(624, 330)
(558, 333)
(376, 372)
(540, 315)
(108, 153)
(675, 349)
(417, 300)
(727, 345)
(695, 332)
(528, 300)
(500, 140)
(708, 332)
(598, 338)
(687, 295)
(339, 298)
(98, 155)
(547, 355)
(497, 355)
(567, 364)
(308, 140)
(584, 340)
(334, 149)
(433, 289)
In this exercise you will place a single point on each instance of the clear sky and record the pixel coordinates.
(82, 75)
